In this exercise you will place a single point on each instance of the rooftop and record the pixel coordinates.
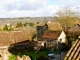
(41, 24)
(7, 38)
(51, 34)
(74, 52)
(54, 26)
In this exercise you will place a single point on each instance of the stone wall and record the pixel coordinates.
(4, 54)
(24, 57)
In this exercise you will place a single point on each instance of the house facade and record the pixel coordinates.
(62, 38)
(42, 27)
(53, 37)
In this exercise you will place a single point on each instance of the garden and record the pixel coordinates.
(34, 55)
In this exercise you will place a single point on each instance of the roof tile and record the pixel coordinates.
(74, 52)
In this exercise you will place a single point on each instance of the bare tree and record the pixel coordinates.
(67, 17)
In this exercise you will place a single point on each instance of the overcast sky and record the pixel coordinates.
(33, 8)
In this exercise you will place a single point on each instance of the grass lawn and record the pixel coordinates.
(34, 55)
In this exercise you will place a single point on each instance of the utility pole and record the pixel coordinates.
(59, 48)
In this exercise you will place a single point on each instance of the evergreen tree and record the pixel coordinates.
(11, 28)
(5, 28)
(31, 24)
(19, 24)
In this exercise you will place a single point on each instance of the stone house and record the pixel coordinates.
(50, 33)
(52, 38)
(41, 28)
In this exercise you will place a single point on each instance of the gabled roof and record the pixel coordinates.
(51, 34)
(51, 25)
(74, 52)
(75, 28)
(7, 38)
(41, 24)
(54, 26)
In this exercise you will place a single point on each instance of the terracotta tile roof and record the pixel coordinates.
(51, 34)
(74, 52)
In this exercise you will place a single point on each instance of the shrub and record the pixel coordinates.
(19, 24)
(25, 24)
(31, 24)
(5, 28)
(11, 29)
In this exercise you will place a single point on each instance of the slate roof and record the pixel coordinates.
(74, 52)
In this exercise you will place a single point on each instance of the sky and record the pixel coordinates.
(34, 8)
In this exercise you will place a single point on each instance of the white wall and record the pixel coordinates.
(62, 37)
